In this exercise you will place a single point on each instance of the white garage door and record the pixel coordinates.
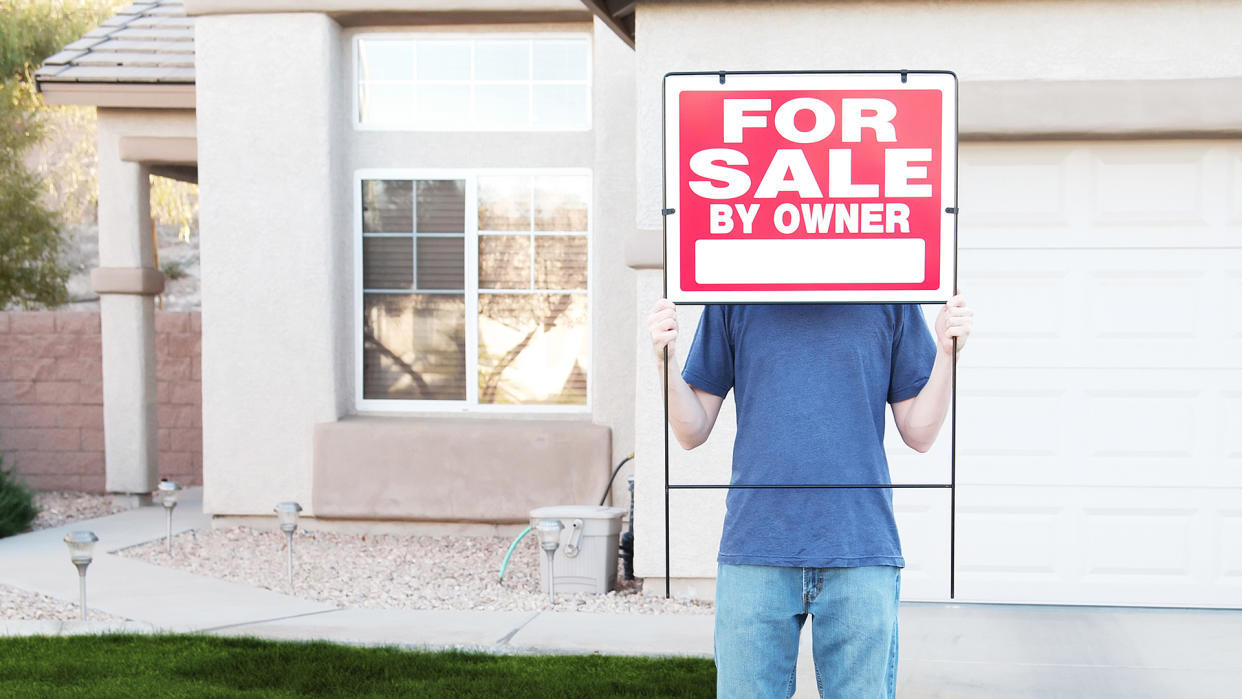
(1100, 403)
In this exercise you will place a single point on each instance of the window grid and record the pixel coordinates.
(530, 82)
(471, 293)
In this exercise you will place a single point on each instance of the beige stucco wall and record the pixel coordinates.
(612, 280)
(275, 261)
(277, 165)
(1037, 50)
(1032, 41)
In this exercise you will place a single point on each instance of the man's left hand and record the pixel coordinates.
(955, 321)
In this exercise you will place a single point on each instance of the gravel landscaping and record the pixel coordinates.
(58, 507)
(375, 571)
(19, 605)
(387, 572)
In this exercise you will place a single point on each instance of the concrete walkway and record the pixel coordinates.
(947, 650)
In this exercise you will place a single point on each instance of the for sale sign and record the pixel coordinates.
(810, 187)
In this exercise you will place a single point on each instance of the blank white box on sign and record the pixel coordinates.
(833, 261)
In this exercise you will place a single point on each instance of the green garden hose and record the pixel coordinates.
(512, 546)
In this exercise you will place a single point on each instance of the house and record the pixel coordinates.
(431, 233)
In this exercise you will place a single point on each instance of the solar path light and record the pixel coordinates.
(287, 513)
(549, 532)
(81, 546)
(168, 498)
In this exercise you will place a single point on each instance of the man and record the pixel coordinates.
(810, 383)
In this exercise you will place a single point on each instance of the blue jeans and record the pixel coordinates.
(759, 615)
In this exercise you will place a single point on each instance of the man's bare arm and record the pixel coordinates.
(691, 412)
(919, 418)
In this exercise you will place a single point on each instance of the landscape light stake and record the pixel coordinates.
(287, 513)
(168, 498)
(549, 532)
(81, 546)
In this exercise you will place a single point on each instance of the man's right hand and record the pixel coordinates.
(663, 326)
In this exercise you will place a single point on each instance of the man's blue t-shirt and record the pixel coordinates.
(811, 383)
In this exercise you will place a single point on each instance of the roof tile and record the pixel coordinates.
(117, 21)
(167, 11)
(84, 43)
(153, 33)
(180, 47)
(47, 71)
(63, 57)
(138, 8)
(162, 22)
(123, 74)
(149, 41)
(179, 74)
(119, 58)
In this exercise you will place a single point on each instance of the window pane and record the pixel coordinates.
(442, 263)
(533, 348)
(441, 206)
(414, 346)
(443, 105)
(560, 60)
(388, 263)
(387, 206)
(386, 104)
(380, 59)
(563, 106)
(561, 202)
(504, 203)
(561, 262)
(443, 60)
(502, 106)
(502, 60)
(504, 262)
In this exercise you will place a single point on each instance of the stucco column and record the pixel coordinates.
(127, 283)
(277, 252)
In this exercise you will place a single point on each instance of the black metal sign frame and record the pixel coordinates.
(951, 486)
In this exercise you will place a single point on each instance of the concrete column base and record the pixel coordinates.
(132, 501)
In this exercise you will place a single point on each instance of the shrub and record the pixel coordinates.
(17, 503)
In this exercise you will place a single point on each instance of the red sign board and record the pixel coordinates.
(810, 187)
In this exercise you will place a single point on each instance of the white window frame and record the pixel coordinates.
(355, 78)
(471, 404)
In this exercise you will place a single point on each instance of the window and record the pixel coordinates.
(474, 288)
(465, 84)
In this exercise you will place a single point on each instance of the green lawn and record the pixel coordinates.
(208, 666)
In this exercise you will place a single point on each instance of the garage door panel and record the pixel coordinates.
(1096, 427)
(923, 524)
(1112, 545)
(1228, 428)
(1233, 186)
(1140, 424)
(1101, 195)
(1149, 188)
(1099, 429)
(1104, 308)
(1232, 319)
(1134, 542)
(1145, 305)
(1011, 198)
(1025, 543)
(1228, 547)
(1012, 423)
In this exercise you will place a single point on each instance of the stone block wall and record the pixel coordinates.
(51, 398)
